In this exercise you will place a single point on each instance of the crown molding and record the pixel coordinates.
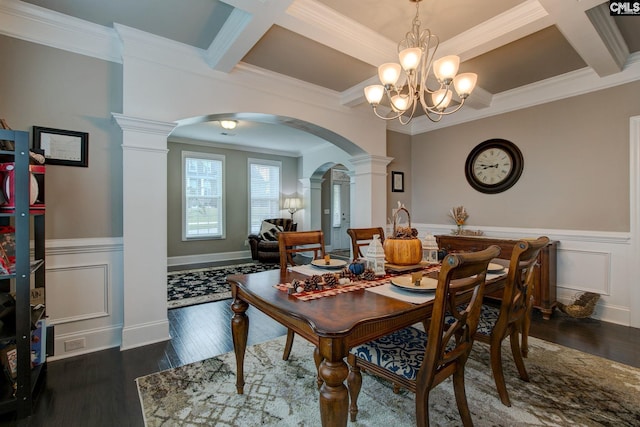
(39, 25)
(568, 85)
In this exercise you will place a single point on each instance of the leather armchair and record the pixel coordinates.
(264, 250)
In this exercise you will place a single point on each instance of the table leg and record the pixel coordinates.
(334, 397)
(318, 360)
(240, 332)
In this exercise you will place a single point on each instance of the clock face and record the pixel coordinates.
(494, 166)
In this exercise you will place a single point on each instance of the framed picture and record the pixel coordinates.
(62, 147)
(397, 182)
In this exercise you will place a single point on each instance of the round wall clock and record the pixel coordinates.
(494, 166)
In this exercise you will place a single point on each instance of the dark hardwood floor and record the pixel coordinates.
(98, 389)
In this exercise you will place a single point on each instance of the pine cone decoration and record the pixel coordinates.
(330, 280)
(369, 274)
(297, 285)
(345, 273)
(309, 285)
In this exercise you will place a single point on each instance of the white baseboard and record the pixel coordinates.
(145, 334)
(87, 341)
(207, 258)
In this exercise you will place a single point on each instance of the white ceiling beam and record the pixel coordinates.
(516, 23)
(248, 22)
(602, 48)
(324, 25)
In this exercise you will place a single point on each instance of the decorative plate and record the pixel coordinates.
(333, 263)
(8, 188)
(427, 284)
(495, 268)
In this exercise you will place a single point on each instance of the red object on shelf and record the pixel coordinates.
(36, 188)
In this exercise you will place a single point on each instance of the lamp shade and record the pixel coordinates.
(400, 102)
(446, 68)
(441, 99)
(292, 203)
(465, 83)
(374, 94)
(410, 58)
(389, 73)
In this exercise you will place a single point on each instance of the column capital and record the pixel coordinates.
(138, 124)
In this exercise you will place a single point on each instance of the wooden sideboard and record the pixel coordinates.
(544, 291)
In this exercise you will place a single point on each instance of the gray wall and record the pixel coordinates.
(42, 86)
(399, 147)
(576, 166)
(236, 203)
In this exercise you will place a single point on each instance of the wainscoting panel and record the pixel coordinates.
(588, 261)
(77, 293)
(84, 294)
(584, 270)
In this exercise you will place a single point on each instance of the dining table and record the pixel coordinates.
(334, 319)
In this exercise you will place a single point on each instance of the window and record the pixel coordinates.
(336, 221)
(202, 196)
(264, 192)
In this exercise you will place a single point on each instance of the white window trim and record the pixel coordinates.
(223, 216)
(276, 163)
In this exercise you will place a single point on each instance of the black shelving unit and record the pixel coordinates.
(28, 221)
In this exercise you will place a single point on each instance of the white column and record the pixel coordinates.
(369, 208)
(312, 202)
(144, 210)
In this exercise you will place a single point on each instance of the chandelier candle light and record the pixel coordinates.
(416, 53)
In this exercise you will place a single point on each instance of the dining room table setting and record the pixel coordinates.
(337, 304)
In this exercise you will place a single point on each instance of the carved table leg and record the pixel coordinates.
(318, 360)
(334, 397)
(354, 383)
(240, 332)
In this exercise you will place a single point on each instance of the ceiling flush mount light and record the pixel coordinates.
(228, 124)
(416, 54)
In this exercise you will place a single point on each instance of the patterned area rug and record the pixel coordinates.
(567, 387)
(190, 287)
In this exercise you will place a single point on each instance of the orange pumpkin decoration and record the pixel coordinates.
(402, 248)
(403, 251)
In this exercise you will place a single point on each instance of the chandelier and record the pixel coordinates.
(416, 53)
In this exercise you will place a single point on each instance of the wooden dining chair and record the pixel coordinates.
(362, 237)
(512, 318)
(292, 243)
(418, 361)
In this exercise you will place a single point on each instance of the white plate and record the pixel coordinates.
(8, 188)
(427, 284)
(495, 268)
(333, 263)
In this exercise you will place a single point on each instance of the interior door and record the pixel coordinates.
(340, 210)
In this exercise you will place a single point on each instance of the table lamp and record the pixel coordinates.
(292, 204)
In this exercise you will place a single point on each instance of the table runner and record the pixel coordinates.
(340, 289)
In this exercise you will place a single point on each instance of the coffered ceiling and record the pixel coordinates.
(513, 45)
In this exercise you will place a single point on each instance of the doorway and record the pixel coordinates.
(340, 210)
